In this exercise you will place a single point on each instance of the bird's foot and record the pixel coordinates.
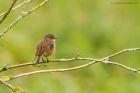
(47, 60)
(44, 61)
(37, 64)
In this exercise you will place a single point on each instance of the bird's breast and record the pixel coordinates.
(50, 50)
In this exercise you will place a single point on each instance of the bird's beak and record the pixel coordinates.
(56, 38)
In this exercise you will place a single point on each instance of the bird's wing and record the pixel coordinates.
(41, 48)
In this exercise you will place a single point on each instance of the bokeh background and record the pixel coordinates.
(96, 27)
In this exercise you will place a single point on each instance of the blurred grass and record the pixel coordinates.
(98, 28)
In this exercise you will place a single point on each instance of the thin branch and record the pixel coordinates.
(21, 17)
(123, 66)
(73, 68)
(9, 10)
(11, 87)
(52, 70)
(21, 4)
(6, 67)
(121, 52)
(91, 62)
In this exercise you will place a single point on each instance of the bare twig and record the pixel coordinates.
(11, 87)
(73, 68)
(91, 62)
(123, 66)
(121, 52)
(78, 54)
(9, 10)
(21, 4)
(6, 67)
(105, 59)
(21, 17)
(52, 70)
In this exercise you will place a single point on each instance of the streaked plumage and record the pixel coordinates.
(46, 47)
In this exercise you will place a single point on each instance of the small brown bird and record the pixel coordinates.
(46, 47)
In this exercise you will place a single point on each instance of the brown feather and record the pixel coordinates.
(45, 47)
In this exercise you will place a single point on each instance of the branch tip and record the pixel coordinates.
(78, 54)
(4, 68)
(20, 17)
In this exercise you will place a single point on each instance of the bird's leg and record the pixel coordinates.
(47, 60)
(44, 61)
(37, 63)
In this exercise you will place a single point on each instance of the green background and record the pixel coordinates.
(96, 27)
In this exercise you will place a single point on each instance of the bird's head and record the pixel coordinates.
(50, 37)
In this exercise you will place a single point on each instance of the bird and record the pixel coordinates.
(46, 47)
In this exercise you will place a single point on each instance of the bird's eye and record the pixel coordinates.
(51, 37)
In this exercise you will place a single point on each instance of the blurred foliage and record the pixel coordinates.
(96, 27)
